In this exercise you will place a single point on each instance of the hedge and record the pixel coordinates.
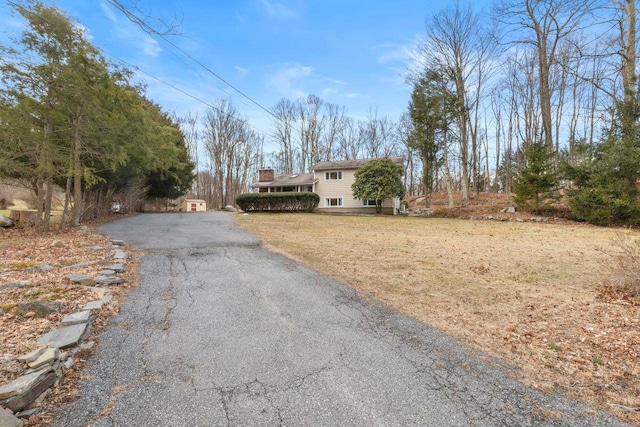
(278, 202)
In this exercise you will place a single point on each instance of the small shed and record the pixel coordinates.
(194, 205)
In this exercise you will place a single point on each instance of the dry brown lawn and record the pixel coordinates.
(528, 293)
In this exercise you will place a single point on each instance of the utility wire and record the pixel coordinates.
(163, 35)
(189, 95)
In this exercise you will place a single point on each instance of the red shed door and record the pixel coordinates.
(193, 207)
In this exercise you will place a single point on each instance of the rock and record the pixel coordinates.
(106, 272)
(5, 221)
(14, 285)
(77, 266)
(117, 242)
(100, 292)
(40, 267)
(96, 248)
(107, 298)
(38, 308)
(230, 208)
(109, 280)
(19, 393)
(31, 356)
(509, 209)
(68, 363)
(46, 358)
(120, 255)
(29, 413)
(118, 268)
(94, 306)
(83, 316)
(57, 244)
(87, 345)
(9, 420)
(81, 279)
(64, 337)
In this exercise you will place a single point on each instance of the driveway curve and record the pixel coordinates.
(222, 332)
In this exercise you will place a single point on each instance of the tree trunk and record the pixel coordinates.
(77, 181)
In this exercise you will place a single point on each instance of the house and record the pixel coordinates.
(193, 205)
(332, 182)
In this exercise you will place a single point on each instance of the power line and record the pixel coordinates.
(163, 35)
(190, 95)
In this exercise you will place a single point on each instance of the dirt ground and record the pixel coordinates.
(20, 252)
(525, 289)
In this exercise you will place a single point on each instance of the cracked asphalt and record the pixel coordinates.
(222, 332)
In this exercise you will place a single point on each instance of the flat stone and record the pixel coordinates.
(57, 244)
(81, 279)
(106, 272)
(108, 280)
(83, 316)
(46, 358)
(8, 420)
(93, 305)
(118, 268)
(19, 393)
(100, 292)
(64, 337)
(97, 248)
(118, 242)
(14, 285)
(120, 255)
(38, 308)
(77, 266)
(40, 267)
(31, 356)
(107, 299)
(29, 413)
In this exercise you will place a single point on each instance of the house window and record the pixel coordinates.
(333, 202)
(369, 202)
(332, 175)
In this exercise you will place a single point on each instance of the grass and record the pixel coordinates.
(508, 288)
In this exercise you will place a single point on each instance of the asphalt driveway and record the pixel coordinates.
(222, 332)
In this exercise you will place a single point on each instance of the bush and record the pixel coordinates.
(624, 282)
(278, 202)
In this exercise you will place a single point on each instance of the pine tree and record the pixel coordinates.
(536, 181)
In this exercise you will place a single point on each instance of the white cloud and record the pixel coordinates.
(392, 53)
(288, 81)
(241, 72)
(277, 10)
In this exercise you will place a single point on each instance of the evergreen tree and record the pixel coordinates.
(536, 181)
(605, 180)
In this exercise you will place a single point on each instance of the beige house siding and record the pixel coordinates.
(341, 188)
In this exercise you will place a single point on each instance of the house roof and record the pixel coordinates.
(350, 164)
(288, 180)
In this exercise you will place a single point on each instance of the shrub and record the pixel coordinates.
(278, 202)
(624, 282)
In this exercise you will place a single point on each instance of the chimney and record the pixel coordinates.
(266, 175)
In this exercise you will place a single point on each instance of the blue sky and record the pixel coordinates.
(350, 53)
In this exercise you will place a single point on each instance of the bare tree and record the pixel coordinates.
(457, 44)
(233, 149)
(543, 25)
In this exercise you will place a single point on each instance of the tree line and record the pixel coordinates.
(72, 120)
(536, 98)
